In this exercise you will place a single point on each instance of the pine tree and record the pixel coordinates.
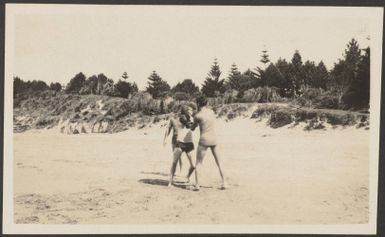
(297, 78)
(125, 76)
(358, 93)
(156, 86)
(251, 78)
(321, 76)
(308, 71)
(345, 71)
(353, 54)
(134, 88)
(264, 58)
(215, 71)
(296, 61)
(234, 78)
(277, 76)
(101, 81)
(213, 85)
(261, 77)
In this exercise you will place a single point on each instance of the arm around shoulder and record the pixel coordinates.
(195, 124)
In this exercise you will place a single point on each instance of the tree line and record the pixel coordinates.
(347, 83)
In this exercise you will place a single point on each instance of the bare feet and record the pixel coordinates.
(196, 188)
(224, 186)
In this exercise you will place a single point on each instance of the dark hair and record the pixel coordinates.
(185, 120)
(201, 101)
(184, 109)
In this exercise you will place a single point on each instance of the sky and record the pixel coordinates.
(53, 43)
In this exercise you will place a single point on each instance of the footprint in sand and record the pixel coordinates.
(326, 202)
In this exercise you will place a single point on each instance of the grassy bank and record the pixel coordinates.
(314, 118)
(75, 114)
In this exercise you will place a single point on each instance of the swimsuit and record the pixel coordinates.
(185, 146)
(184, 140)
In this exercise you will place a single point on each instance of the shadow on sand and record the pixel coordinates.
(155, 173)
(162, 182)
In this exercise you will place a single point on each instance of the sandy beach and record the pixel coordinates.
(275, 176)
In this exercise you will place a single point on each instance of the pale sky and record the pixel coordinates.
(53, 43)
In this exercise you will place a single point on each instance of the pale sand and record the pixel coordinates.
(276, 176)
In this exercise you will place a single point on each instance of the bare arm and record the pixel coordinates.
(195, 124)
(168, 130)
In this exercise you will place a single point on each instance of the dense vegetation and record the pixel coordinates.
(307, 84)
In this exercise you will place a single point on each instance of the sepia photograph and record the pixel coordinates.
(191, 119)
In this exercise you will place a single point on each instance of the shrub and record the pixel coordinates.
(346, 119)
(124, 89)
(252, 95)
(264, 110)
(181, 96)
(318, 98)
(55, 86)
(311, 93)
(230, 111)
(85, 90)
(304, 114)
(261, 95)
(215, 101)
(230, 96)
(187, 86)
(44, 122)
(327, 102)
(280, 118)
(314, 124)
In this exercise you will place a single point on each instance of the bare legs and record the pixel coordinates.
(214, 150)
(201, 153)
(179, 160)
(177, 157)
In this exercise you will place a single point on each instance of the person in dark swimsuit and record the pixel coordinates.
(184, 143)
(174, 125)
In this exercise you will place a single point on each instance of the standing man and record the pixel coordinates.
(176, 126)
(184, 144)
(205, 118)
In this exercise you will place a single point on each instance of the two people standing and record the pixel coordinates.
(182, 129)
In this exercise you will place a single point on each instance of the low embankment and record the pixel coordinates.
(74, 114)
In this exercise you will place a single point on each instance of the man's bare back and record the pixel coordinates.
(205, 118)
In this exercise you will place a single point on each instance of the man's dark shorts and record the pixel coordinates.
(185, 147)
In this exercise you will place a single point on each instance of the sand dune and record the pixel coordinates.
(276, 176)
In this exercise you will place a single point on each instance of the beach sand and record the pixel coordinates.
(275, 176)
